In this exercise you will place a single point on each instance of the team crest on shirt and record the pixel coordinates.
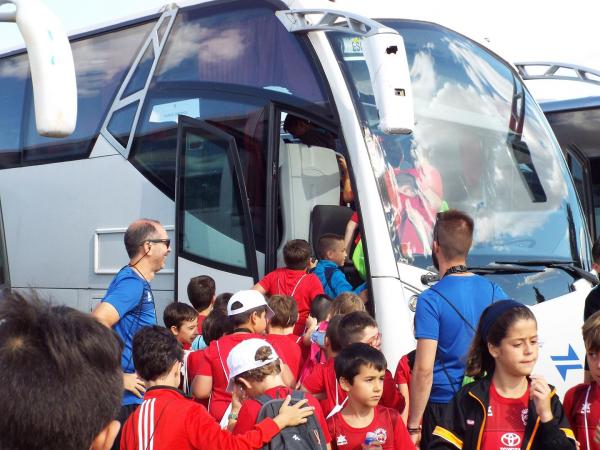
(524, 416)
(585, 408)
(381, 434)
(341, 440)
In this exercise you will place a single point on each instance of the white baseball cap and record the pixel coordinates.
(249, 299)
(242, 358)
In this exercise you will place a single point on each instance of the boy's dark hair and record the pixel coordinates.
(453, 231)
(285, 310)
(155, 350)
(242, 318)
(200, 291)
(320, 307)
(352, 327)
(176, 313)
(326, 243)
(257, 375)
(296, 254)
(215, 326)
(332, 334)
(138, 232)
(596, 251)
(221, 301)
(345, 303)
(50, 356)
(348, 362)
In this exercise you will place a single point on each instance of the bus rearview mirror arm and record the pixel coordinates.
(51, 65)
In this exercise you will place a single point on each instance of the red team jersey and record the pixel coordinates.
(213, 363)
(505, 422)
(322, 379)
(387, 426)
(250, 409)
(167, 420)
(576, 411)
(295, 283)
(288, 349)
(402, 375)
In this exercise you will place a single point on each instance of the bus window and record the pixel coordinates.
(14, 74)
(100, 63)
(212, 222)
(244, 117)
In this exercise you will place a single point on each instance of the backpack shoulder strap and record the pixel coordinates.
(455, 309)
(263, 399)
(297, 395)
(328, 272)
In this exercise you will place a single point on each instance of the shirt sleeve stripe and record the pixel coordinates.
(448, 436)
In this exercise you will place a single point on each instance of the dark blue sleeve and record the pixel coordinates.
(125, 295)
(427, 317)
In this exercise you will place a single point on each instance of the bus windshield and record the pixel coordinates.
(480, 145)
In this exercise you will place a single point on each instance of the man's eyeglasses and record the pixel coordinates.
(167, 242)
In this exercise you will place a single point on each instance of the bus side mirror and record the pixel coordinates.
(52, 68)
(385, 55)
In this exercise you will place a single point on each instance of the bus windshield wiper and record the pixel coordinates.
(504, 269)
(566, 265)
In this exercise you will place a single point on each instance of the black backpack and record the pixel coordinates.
(306, 436)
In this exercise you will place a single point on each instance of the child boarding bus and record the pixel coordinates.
(182, 118)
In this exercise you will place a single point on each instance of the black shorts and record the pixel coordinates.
(434, 412)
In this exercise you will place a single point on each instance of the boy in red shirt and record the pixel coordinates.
(582, 402)
(248, 312)
(201, 294)
(255, 370)
(364, 423)
(322, 382)
(182, 320)
(293, 280)
(280, 332)
(168, 420)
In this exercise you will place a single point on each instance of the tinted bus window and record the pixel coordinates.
(247, 47)
(14, 73)
(100, 64)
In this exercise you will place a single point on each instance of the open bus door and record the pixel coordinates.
(213, 227)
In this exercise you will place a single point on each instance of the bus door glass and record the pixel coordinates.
(213, 224)
(579, 166)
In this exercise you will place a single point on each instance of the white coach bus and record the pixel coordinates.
(181, 118)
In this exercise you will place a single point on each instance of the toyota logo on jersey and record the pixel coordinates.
(511, 439)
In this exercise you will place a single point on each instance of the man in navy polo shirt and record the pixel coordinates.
(129, 305)
(445, 321)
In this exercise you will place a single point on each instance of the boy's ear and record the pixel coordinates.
(344, 384)
(174, 330)
(105, 439)
(244, 382)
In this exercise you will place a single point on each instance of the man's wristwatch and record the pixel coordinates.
(415, 430)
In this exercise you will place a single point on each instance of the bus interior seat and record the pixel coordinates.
(308, 176)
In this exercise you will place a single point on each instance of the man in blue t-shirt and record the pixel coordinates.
(445, 321)
(128, 304)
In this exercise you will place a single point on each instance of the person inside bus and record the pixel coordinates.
(310, 134)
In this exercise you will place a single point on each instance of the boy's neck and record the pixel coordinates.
(509, 386)
(280, 330)
(164, 381)
(358, 415)
(270, 382)
(245, 328)
(206, 312)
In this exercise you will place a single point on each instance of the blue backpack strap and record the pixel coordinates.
(328, 272)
